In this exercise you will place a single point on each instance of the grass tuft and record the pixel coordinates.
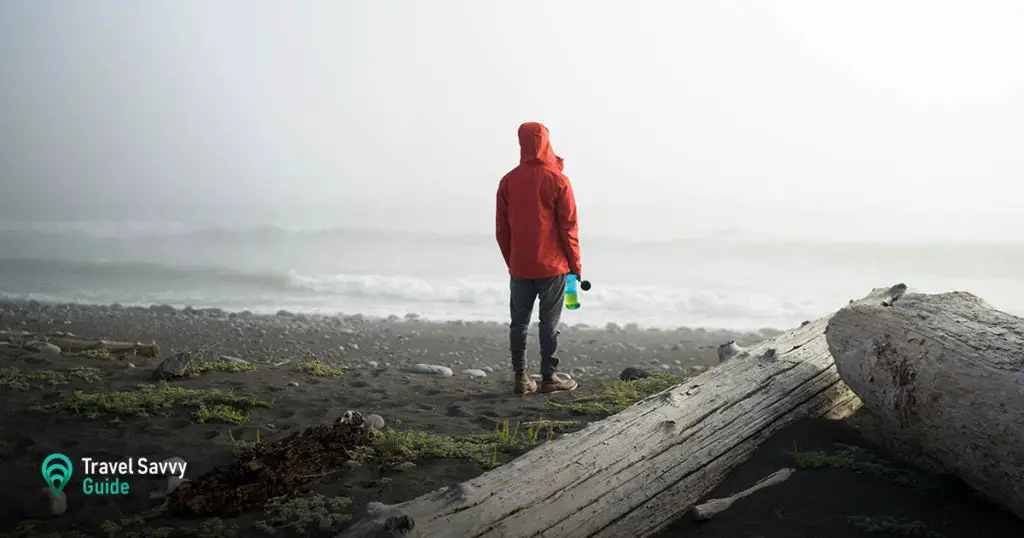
(12, 378)
(315, 515)
(615, 396)
(859, 460)
(394, 449)
(200, 367)
(208, 405)
(892, 525)
(317, 368)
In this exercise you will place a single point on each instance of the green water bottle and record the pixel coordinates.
(572, 296)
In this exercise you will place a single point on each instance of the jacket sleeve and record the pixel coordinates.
(502, 230)
(568, 229)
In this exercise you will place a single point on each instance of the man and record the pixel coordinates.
(538, 236)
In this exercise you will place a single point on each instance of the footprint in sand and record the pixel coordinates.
(456, 410)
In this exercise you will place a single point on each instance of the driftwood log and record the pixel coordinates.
(945, 373)
(77, 344)
(634, 473)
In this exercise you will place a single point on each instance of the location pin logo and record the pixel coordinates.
(56, 472)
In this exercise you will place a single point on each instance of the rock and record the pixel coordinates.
(632, 374)
(293, 383)
(171, 481)
(45, 504)
(37, 346)
(374, 421)
(488, 369)
(372, 364)
(474, 373)
(431, 369)
(173, 367)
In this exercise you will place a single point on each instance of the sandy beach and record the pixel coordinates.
(258, 379)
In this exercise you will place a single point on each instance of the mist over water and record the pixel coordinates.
(735, 164)
(731, 282)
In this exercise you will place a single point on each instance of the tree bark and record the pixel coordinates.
(946, 374)
(634, 473)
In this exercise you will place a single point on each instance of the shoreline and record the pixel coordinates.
(285, 315)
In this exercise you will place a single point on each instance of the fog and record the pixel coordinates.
(839, 120)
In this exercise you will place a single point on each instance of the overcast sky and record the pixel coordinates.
(848, 118)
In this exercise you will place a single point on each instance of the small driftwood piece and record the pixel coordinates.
(710, 509)
(78, 344)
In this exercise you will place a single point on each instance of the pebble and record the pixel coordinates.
(431, 369)
(632, 374)
(375, 421)
(46, 504)
(293, 383)
(474, 373)
(372, 364)
(171, 481)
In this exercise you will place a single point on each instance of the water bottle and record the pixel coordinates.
(572, 298)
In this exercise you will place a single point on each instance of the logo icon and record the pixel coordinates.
(56, 472)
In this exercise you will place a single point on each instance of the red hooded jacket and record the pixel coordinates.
(536, 218)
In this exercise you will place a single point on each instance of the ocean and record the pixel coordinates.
(712, 282)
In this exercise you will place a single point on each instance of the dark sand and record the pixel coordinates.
(813, 503)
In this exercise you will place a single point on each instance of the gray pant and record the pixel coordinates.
(523, 293)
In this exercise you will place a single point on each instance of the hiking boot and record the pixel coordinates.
(522, 384)
(557, 384)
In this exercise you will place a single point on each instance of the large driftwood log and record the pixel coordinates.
(635, 472)
(946, 374)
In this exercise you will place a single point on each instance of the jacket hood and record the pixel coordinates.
(535, 146)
